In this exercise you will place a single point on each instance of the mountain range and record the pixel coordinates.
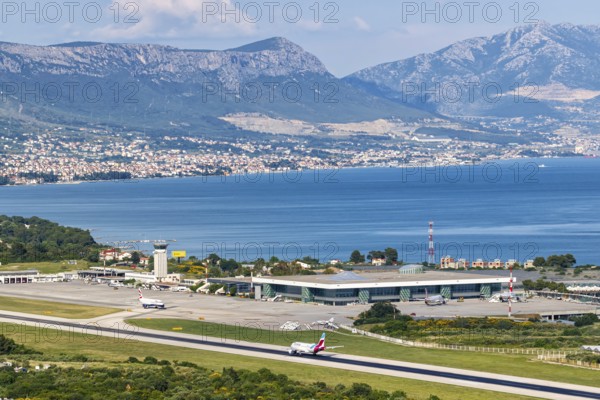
(538, 71)
(161, 88)
(528, 70)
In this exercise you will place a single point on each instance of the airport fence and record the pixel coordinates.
(560, 358)
(480, 349)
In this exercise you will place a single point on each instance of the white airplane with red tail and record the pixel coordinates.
(299, 348)
(150, 303)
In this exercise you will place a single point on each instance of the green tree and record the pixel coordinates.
(213, 259)
(379, 312)
(9, 346)
(310, 260)
(585, 320)
(528, 284)
(214, 287)
(570, 259)
(562, 261)
(229, 266)
(375, 254)
(391, 256)
(561, 288)
(18, 252)
(135, 257)
(356, 257)
(359, 390)
(399, 395)
(37, 239)
(273, 260)
(539, 262)
(94, 257)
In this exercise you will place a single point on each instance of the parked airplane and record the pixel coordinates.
(299, 348)
(435, 300)
(150, 303)
(329, 324)
(180, 289)
(504, 297)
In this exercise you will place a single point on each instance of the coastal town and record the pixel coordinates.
(62, 156)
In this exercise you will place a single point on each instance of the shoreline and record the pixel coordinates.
(268, 171)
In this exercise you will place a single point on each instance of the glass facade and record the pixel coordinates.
(344, 296)
(285, 289)
(388, 291)
(420, 292)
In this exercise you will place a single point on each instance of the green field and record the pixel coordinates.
(60, 345)
(49, 267)
(518, 365)
(63, 310)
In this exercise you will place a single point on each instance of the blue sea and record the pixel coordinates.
(516, 209)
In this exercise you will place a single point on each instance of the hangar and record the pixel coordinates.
(27, 276)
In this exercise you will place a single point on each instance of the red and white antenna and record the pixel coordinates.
(431, 251)
(510, 292)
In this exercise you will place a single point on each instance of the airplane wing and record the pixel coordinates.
(333, 347)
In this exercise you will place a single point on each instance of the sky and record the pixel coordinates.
(346, 35)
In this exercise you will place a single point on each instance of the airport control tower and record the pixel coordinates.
(160, 259)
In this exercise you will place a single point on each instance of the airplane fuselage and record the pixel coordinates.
(150, 303)
(435, 300)
(298, 348)
(304, 348)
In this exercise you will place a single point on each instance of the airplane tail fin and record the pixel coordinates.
(321, 345)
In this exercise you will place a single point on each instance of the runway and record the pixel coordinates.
(474, 379)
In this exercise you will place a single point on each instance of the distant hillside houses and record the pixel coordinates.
(303, 265)
(378, 262)
(449, 262)
(114, 254)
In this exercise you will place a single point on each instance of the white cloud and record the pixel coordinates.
(175, 19)
(361, 24)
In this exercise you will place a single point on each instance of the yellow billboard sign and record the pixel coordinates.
(178, 254)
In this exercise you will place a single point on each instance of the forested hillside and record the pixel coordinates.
(37, 239)
(175, 383)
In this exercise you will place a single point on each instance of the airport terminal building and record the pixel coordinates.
(406, 285)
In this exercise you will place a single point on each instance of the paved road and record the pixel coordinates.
(453, 376)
